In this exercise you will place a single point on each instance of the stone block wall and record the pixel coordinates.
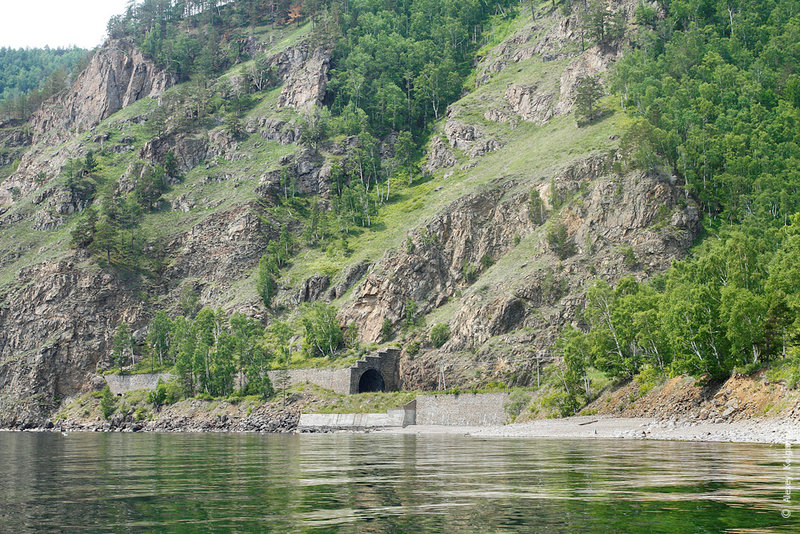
(337, 380)
(120, 384)
(468, 409)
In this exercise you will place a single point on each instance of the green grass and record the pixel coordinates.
(329, 402)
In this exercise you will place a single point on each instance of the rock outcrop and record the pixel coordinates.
(306, 76)
(118, 75)
(56, 326)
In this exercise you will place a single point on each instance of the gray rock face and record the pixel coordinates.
(468, 137)
(636, 210)
(117, 76)
(439, 156)
(55, 328)
(306, 77)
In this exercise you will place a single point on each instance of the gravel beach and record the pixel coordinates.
(599, 427)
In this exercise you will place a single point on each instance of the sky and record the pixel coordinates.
(56, 23)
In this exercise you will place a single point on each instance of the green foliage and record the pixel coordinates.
(323, 335)
(559, 241)
(166, 393)
(108, 403)
(713, 82)
(158, 338)
(29, 76)
(469, 272)
(588, 92)
(123, 346)
(536, 209)
(266, 284)
(411, 313)
(517, 401)
(439, 335)
(386, 329)
(82, 234)
(211, 351)
(711, 91)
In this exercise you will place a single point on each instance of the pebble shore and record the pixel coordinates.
(779, 431)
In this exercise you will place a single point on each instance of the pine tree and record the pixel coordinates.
(588, 91)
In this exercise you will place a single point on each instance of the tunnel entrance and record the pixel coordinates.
(370, 382)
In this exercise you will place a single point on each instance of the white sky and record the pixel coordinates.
(56, 23)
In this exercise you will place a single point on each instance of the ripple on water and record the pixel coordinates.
(386, 483)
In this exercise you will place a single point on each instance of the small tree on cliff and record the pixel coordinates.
(123, 346)
(323, 335)
(588, 91)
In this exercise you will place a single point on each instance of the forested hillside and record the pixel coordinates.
(29, 76)
(714, 91)
(558, 196)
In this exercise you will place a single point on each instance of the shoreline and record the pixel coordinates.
(765, 431)
(757, 431)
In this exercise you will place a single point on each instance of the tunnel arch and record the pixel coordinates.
(371, 381)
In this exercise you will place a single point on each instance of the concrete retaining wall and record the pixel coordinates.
(468, 409)
(337, 380)
(120, 384)
(351, 421)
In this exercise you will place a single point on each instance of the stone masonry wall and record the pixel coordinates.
(120, 384)
(337, 380)
(468, 409)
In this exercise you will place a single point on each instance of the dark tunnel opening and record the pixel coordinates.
(370, 382)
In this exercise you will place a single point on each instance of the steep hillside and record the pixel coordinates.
(518, 208)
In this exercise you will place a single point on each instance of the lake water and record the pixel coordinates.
(390, 483)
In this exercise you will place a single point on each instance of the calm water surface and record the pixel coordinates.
(384, 483)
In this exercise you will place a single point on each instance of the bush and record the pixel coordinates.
(323, 335)
(517, 402)
(470, 272)
(165, 393)
(440, 334)
(108, 404)
(386, 329)
(559, 241)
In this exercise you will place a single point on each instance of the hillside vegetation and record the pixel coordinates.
(508, 192)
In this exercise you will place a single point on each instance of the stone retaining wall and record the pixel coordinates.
(120, 384)
(467, 409)
(337, 380)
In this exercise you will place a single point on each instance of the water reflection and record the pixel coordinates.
(384, 483)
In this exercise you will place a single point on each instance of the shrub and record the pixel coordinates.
(108, 404)
(559, 241)
(440, 334)
(517, 402)
(386, 329)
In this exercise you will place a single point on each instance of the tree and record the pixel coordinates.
(266, 285)
(404, 154)
(440, 333)
(108, 404)
(410, 310)
(558, 239)
(536, 209)
(588, 92)
(323, 334)
(122, 346)
(83, 233)
(574, 350)
(158, 337)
